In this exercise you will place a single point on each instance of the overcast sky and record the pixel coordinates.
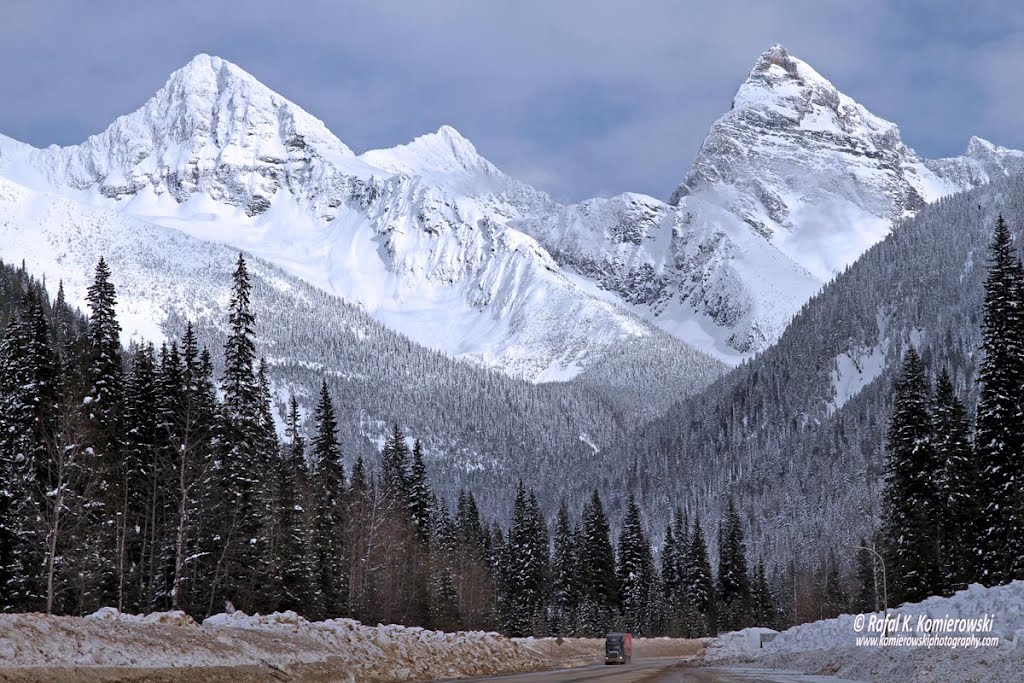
(578, 98)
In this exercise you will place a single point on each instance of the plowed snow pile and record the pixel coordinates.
(831, 646)
(282, 641)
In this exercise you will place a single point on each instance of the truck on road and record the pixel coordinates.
(618, 648)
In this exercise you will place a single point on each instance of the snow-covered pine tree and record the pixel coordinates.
(474, 572)
(443, 597)
(910, 526)
(734, 600)
(328, 484)
(419, 493)
(999, 438)
(241, 517)
(198, 493)
(635, 572)
(523, 566)
(761, 596)
(291, 568)
(394, 469)
(673, 575)
(700, 586)
(138, 483)
(29, 379)
(600, 603)
(103, 405)
(565, 579)
(958, 487)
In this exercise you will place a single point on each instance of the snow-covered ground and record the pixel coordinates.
(282, 641)
(832, 646)
(285, 643)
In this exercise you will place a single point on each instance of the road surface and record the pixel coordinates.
(648, 671)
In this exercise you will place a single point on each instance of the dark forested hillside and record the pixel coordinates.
(788, 434)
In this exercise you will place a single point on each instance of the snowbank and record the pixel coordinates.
(832, 646)
(281, 641)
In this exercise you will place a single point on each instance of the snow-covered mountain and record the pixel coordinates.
(221, 157)
(790, 186)
(433, 240)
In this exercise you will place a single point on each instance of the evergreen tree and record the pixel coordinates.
(911, 515)
(635, 572)
(676, 607)
(761, 595)
(239, 382)
(291, 566)
(734, 599)
(597, 570)
(29, 389)
(242, 514)
(419, 493)
(329, 487)
(443, 595)
(394, 468)
(1000, 428)
(700, 586)
(139, 484)
(192, 437)
(523, 566)
(100, 556)
(958, 488)
(565, 578)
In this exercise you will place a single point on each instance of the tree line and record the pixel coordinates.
(953, 505)
(135, 478)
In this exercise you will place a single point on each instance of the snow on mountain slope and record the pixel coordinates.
(218, 155)
(790, 186)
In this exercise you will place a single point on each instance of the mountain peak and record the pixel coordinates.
(447, 151)
(212, 96)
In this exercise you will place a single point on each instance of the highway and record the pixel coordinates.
(647, 671)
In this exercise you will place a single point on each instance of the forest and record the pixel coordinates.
(136, 478)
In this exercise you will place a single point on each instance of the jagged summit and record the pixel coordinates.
(212, 94)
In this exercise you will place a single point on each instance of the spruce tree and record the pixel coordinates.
(635, 571)
(291, 564)
(600, 601)
(139, 484)
(565, 577)
(329, 488)
(242, 511)
(763, 604)
(443, 597)
(394, 468)
(419, 494)
(99, 554)
(958, 487)
(523, 567)
(910, 498)
(700, 586)
(999, 435)
(734, 599)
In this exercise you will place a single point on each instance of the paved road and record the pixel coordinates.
(647, 671)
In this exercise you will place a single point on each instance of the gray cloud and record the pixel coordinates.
(579, 98)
